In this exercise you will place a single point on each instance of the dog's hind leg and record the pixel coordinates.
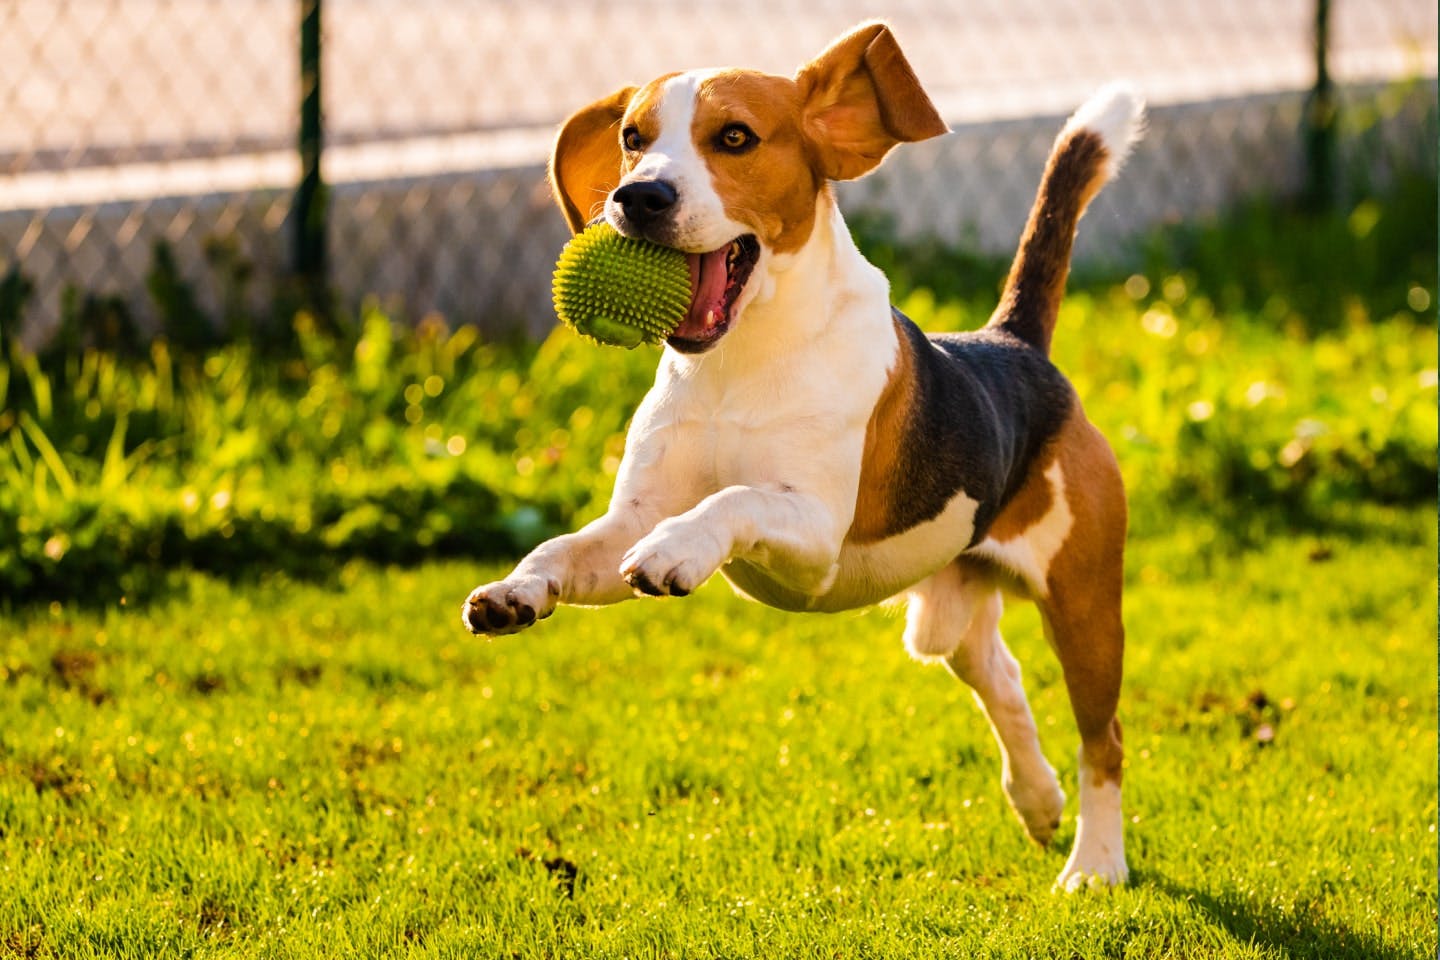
(955, 614)
(1082, 614)
(1088, 637)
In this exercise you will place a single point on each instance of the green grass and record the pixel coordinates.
(301, 770)
(300, 754)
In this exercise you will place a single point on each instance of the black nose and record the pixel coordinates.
(646, 201)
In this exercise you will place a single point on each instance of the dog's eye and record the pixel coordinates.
(736, 138)
(632, 139)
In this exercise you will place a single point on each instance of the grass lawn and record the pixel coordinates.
(301, 770)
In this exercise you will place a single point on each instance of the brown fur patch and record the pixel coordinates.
(585, 162)
(644, 115)
(880, 480)
(772, 186)
(1030, 504)
(1085, 581)
(861, 98)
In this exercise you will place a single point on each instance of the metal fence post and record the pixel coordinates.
(1320, 115)
(311, 201)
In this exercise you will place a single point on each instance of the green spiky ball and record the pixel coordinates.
(619, 290)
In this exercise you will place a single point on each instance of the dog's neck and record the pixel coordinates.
(824, 290)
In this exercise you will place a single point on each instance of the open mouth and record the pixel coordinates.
(716, 280)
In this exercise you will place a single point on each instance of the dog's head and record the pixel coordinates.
(729, 165)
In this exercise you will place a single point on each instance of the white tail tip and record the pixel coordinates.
(1117, 114)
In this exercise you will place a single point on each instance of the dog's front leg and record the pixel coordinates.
(579, 568)
(794, 536)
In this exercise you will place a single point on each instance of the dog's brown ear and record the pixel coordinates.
(861, 98)
(585, 164)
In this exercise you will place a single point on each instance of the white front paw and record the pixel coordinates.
(509, 606)
(675, 558)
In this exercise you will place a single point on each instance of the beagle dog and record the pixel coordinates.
(810, 443)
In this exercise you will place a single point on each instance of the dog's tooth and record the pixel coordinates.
(711, 318)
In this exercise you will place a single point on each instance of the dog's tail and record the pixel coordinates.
(1087, 153)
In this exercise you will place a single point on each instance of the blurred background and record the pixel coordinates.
(159, 142)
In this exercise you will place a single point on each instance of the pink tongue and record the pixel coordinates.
(708, 277)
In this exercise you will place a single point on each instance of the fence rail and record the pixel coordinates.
(140, 126)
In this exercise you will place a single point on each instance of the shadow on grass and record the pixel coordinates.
(1300, 933)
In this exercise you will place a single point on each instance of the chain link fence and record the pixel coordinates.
(149, 161)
